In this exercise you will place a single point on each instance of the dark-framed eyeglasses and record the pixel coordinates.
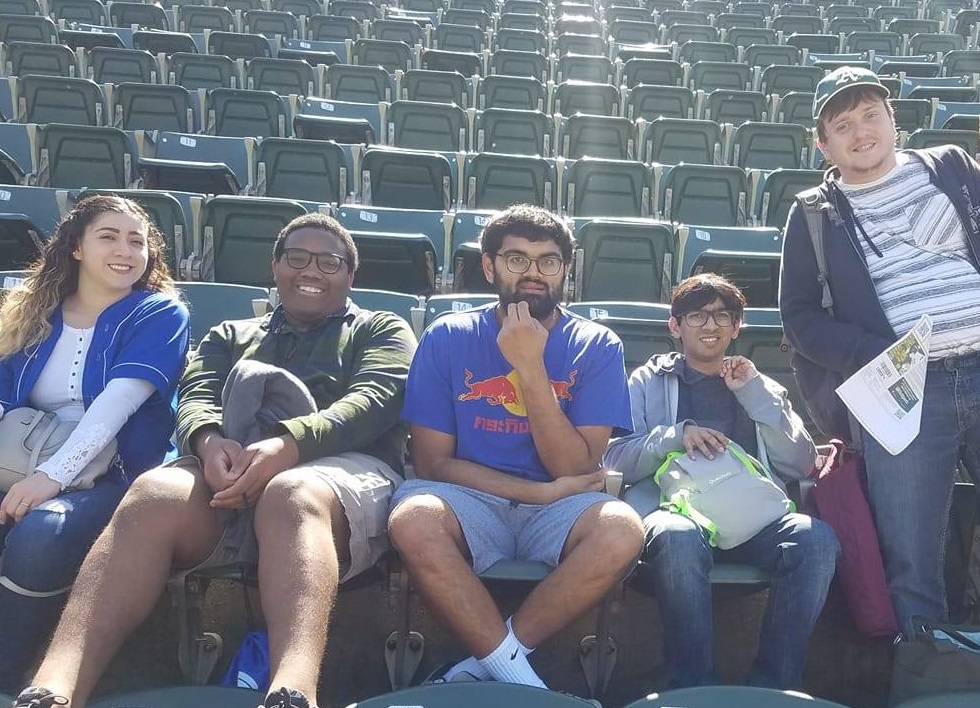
(699, 318)
(518, 263)
(300, 258)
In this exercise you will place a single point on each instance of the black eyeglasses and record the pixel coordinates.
(699, 318)
(518, 263)
(299, 258)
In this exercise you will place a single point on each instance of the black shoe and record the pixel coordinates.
(286, 698)
(34, 697)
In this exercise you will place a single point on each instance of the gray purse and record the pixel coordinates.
(28, 437)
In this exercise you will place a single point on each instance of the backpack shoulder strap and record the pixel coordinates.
(810, 200)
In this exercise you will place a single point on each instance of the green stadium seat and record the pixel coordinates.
(931, 137)
(681, 33)
(87, 36)
(20, 242)
(910, 26)
(465, 63)
(881, 42)
(313, 52)
(960, 63)
(649, 102)
(521, 41)
(358, 84)
(755, 273)
(521, 20)
(624, 259)
(36, 58)
(402, 262)
(659, 72)
(595, 187)
(572, 43)
(333, 28)
(144, 15)
(735, 107)
(17, 143)
(435, 87)
(710, 75)
(965, 21)
(769, 146)
(749, 36)
(20, 7)
(630, 11)
(409, 307)
(707, 696)
(510, 62)
(398, 30)
(207, 164)
(729, 20)
(284, 76)
(459, 38)
(573, 97)
(705, 194)
(197, 18)
(138, 106)
(358, 9)
(238, 45)
(310, 170)
(778, 192)
(111, 65)
(609, 137)
(630, 31)
(207, 71)
(797, 24)
(470, 694)
(406, 179)
(90, 11)
(673, 140)
(434, 224)
(158, 42)
(238, 233)
(584, 67)
(669, 18)
(694, 51)
(338, 120)
(270, 23)
(912, 113)
(478, 15)
(243, 113)
(391, 56)
(784, 79)
(37, 209)
(57, 99)
(504, 130)
(766, 55)
(815, 43)
(796, 107)
(496, 181)
(694, 240)
(439, 305)
(514, 92)
(427, 126)
(73, 156)
(943, 111)
(25, 28)
(849, 25)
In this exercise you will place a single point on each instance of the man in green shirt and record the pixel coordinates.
(305, 497)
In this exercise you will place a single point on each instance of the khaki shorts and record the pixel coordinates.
(363, 484)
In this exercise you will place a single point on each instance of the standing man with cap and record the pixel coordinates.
(901, 239)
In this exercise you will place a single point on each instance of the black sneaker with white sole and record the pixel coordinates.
(36, 697)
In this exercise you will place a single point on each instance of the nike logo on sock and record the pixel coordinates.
(514, 655)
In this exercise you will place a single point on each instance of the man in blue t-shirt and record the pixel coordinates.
(511, 406)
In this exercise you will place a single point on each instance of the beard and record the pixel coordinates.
(540, 305)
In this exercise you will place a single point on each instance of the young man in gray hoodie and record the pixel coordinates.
(697, 401)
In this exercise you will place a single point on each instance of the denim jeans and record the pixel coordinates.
(801, 554)
(41, 556)
(910, 493)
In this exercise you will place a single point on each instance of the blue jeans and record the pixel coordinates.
(910, 493)
(801, 554)
(41, 556)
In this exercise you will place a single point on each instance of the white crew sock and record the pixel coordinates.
(510, 628)
(470, 665)
(508, 663)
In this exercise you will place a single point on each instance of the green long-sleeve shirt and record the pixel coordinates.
(355, 365)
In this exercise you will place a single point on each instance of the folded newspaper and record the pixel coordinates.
(885, 395)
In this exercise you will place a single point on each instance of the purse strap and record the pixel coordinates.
(46, 432)
(927, 626)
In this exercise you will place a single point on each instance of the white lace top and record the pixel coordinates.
(59, 389)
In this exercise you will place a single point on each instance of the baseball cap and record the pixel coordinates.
(841, 79)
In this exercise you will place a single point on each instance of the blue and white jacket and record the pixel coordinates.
(143, 336)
